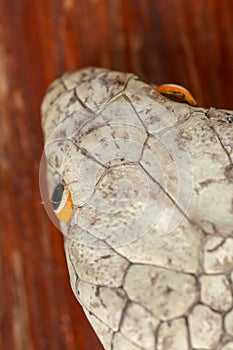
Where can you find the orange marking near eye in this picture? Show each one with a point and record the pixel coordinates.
(177, 93)
(66, 213)
(62, 202)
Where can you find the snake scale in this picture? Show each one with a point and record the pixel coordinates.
(149, 242)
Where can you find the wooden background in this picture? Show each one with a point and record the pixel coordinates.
(184, 41)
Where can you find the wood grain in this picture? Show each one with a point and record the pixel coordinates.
(183, 41)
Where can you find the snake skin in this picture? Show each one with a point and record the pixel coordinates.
(150, 244)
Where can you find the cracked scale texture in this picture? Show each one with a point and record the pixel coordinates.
(175, 292)
(173, 335)
(137, 317)
(107, 302)
(205, 327)
(218, 254)
(150, 244)
(216, 292)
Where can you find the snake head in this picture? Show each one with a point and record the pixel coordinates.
(144, 186)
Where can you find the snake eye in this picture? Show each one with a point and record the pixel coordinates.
(62, 202)
(177, 93)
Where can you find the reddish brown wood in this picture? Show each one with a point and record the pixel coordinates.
(183, 41)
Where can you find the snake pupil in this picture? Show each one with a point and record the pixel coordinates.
(57, 195)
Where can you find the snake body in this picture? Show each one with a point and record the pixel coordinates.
(149, 246)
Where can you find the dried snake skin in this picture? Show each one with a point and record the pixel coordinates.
(150, 243)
